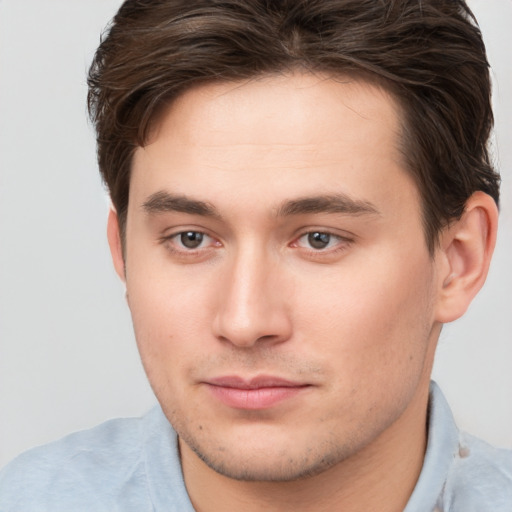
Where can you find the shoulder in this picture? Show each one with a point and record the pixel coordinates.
(460, 472)
(83, 471)
(480, 477)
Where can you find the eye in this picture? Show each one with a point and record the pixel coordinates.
(318, 240)
(188, 241)
(191, 239)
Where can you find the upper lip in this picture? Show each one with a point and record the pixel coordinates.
(258, 382)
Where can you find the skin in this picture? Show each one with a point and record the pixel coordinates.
(353, 325)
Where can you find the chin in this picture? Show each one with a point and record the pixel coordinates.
(267, 463)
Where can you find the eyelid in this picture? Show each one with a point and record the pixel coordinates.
(331, 235)
(336, 233)
(344, 241)
(168, 239)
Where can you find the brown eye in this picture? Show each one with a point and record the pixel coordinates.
(191, 239)
(318, 240)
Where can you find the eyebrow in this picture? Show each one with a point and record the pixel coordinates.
(162, 202)
(337, 203)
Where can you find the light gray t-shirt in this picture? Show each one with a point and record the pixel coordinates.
(132, 465)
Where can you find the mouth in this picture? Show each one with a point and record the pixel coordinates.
(261, 392)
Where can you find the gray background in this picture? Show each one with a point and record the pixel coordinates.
(67, 354)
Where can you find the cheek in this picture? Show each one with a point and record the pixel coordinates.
(372, 319)
(373, 335)
(169, 319)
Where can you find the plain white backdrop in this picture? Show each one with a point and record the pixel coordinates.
(67, 354)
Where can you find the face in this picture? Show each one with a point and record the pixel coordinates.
(277, 273)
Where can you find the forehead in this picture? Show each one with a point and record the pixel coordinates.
(302, 134)
(283, 106)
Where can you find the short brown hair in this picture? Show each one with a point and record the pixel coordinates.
(430, 54)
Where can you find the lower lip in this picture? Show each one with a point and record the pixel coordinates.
(254, 399)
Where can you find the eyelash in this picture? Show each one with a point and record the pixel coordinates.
(341, 243)
(170, 242)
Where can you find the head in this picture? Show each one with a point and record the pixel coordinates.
(428, 54)
(303, 195)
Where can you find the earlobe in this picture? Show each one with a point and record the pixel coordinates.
(465, 255)
(115, 243)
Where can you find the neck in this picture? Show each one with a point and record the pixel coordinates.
(381, 477)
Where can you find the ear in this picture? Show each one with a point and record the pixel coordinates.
(115, 244)
(466, 248)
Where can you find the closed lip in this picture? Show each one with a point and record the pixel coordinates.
(256, 393)
(257, 382)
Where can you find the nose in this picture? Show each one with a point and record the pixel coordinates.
(253, 302)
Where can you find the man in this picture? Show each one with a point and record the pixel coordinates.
(302, 197)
